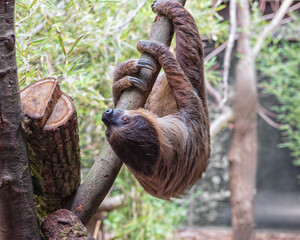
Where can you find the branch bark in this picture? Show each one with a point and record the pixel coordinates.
(17, 213)
(107, 166)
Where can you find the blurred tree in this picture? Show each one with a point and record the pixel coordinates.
(243, 152)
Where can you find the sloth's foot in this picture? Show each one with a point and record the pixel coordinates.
(165, 7)
(131, 67)
(123, 76)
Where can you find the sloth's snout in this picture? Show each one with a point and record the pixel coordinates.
(109, 111)
(112, 117)
(107, 115)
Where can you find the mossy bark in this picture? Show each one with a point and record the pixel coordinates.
(64, 224)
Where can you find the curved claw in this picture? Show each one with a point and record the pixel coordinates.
(138, 84)
(153, 5)
(146, 64)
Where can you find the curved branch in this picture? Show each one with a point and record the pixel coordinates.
(216, 51)
(107, 166)
(124, 24)
(272, 25)
(264, 116)
(221, 122)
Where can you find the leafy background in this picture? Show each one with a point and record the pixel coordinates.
(80, 43)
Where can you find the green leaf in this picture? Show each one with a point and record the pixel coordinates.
(61, 42)
(79, 51)
(32, 4)
(39, 40)
(75, 44)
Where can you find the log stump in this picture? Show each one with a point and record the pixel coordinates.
(64, 224)
(51, 129)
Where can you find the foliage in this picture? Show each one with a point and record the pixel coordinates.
(80, 42)
(281, 63)
(145, 217)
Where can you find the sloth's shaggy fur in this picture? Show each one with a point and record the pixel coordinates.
(166, 145)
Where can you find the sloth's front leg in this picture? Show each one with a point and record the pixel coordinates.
(124, 76)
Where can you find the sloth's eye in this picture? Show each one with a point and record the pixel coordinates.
(125, 120)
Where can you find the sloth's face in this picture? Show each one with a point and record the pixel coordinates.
(115, 119)
(133, 138)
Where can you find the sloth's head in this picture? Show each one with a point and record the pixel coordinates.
(133, 137)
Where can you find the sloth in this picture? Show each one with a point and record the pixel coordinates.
(166, 144)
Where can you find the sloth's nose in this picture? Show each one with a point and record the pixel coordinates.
(106, 116)
(109, 111)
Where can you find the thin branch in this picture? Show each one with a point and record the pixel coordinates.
(214, 93)
(219, 123)
(272, 25)
(266, 118)
(291, 9)
(286, 20)
(215, 52)
(269, 113)
(132, 16)
(231, 40)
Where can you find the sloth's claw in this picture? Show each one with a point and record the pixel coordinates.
(139, 84)
(153, 5)
(145, 64)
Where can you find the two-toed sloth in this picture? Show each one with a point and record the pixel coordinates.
(166, 145)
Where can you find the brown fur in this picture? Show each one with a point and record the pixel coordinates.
(167, 144)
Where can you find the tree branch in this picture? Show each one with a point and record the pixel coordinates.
(213, 92)
(264, 116)
(272, 25)
(17, 213)
(106, 167)
(229, 48)
(132, 16)
(215, 52)
(221, 122)
(291, 9)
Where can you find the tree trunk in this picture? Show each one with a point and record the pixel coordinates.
(51, 130)
(17, 212)
(243, 152)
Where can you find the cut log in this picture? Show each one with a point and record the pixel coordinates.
(64, 224)
(39, 99)
(51, 129)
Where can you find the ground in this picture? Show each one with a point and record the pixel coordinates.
(226, 234)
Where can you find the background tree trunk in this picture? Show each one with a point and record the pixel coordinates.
(243, 152)
(17, 212)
